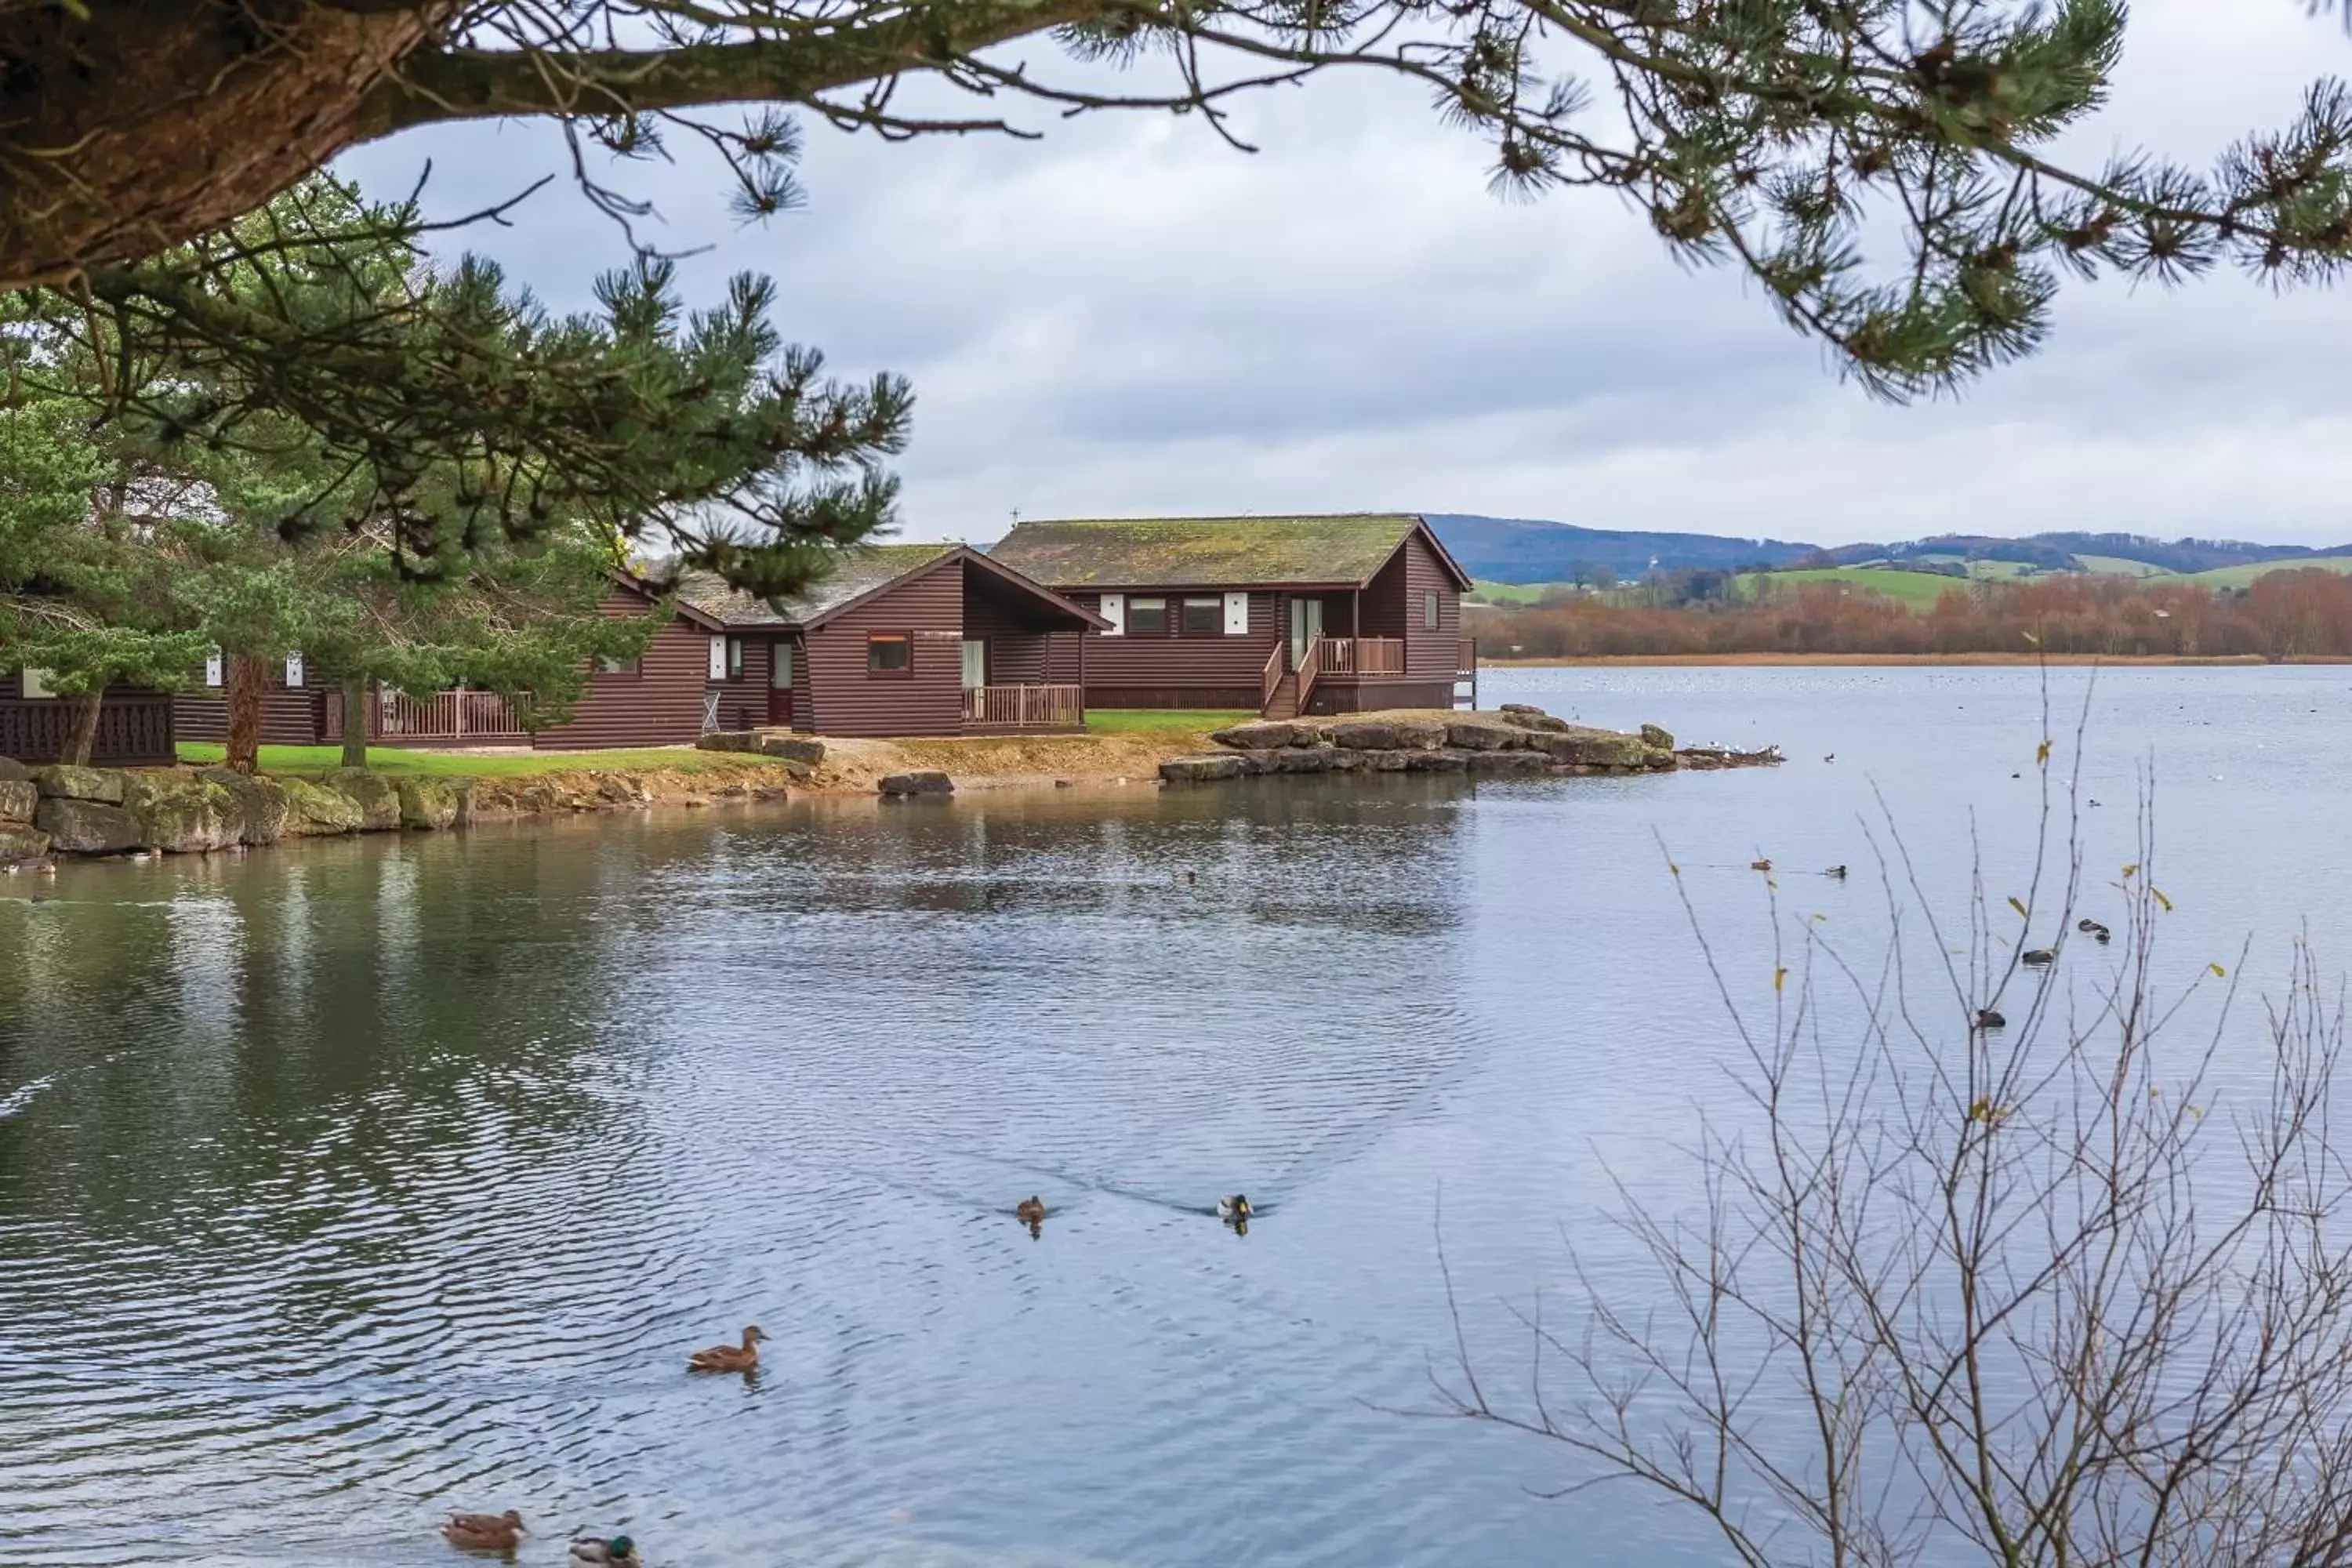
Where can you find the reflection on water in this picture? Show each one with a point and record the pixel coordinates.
(346, 1185)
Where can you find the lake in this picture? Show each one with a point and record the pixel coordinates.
(345, 1184)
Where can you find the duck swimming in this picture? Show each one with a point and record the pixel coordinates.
(1835, 873)
(619, 1550)
(728, 1358)
(485, 1532)
(1236, 1207)
(2092, 928)
(2038, 956)
(1030, 1210)
(1989, 1019)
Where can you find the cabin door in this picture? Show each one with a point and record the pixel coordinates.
(1306, 628)
(780, 684)
(975, 663)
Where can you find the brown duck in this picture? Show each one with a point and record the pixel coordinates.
(730, 1358)
(1030, 1210)
(485, 1532)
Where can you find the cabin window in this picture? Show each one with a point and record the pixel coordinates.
(1204, 618)
(780, 665)
(215, 671)
(37, 682)
(734, 658)
(1429, 612)
(606, 664)
(890, 653)
(1147, 616)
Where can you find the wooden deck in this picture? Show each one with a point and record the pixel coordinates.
(437, 719)
(1014, 709)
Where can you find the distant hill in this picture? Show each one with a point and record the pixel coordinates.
(1528, 550)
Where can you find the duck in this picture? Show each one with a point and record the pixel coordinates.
(1030, 1210)
(2038, 956)
(730, 1358)
(1835, 873)
(618, 1551)
(1759, 865)
(1989, 1019)
(485, 1532)
(2092, 928)
(1235, 1208)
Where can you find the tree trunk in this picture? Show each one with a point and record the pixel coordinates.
(246, 677)
(82, 739)
(355, 721)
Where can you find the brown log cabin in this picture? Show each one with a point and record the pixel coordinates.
(1283, 614)
(134, 725)
(900, 639)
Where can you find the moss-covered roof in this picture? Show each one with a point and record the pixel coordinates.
(857, 573)
(1204, 551)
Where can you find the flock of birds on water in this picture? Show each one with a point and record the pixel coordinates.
(503, 1533)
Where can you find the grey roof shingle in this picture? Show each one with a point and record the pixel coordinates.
(1204, 552)
(857, 572)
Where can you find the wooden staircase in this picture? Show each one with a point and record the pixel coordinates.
(1283, 702)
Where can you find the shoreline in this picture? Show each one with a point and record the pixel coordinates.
(1640, 660)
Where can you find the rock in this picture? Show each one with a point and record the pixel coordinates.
(1658, 740)
(1345, 761)
(1309, 733)
(1256, 765)
(1476, 733)
(1509, 762)
(19, 841)
(1296, 760)
(463, 791)
(88, 826)
(1591, 748)
(1389, 761)
(427, 804)
(792, 749)
(262, 804)
(19, 798)
(376, 796)
(1420, 734)
(618, 789)
(313, 809)
(922, 781)
(14, 772)
(1519, 716)
(67, 783)
(730, 741)
(183, 815)
(1438, 762)
(1200, 770)
(1364, 735)
(1257, 735)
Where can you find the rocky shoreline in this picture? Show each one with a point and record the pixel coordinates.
(1515, 739)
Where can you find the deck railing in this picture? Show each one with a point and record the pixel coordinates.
(445, 717)
(1276, 667)
(1310, 668)
(132, 732)
(1025, 707)
(1362, 656)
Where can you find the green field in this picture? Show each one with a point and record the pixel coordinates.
(1920, 590)
(2116, 566)
(2239, 576)
(451, 764)
(1153, 720)
(1495, 593)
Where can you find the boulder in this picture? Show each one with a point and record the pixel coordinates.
(619, 789)
(1298, 760)
(1438, 762)
(792, 749)
(1520, 716)
(1309, 733)
(1592, 748)
(462, 792)
(1200, 770)
(1475, 732)
(427, 804)
(313, 809)
(730, 741)
(1658, 740)
(1257, 735)
(64, 781)
(922, 781)
(1364, 735)
(1257, 764)
(1345, 761)
(183, 815)
(1509, 762)
(1387, 761)
(377, 797)
(89, 826)
(1420, 734)
(263, 805)
(14, 772)
(19, 841)
(19, 798)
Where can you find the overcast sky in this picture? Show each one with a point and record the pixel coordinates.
(1130, 318)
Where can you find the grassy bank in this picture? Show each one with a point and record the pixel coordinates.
(397, 763)
(1149, 722)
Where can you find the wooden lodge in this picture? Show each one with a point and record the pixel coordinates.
(1283, 614)
(134, 725)
(900, 639)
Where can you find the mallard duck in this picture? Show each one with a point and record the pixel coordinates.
(618, 1551)
(1989, 1019)
(1236, 1207)
(730, 1358)
(2092, 928)
(485, 1532)
(1759, 865)
(2038, 956)
(1835, 873)
(1030, 1210)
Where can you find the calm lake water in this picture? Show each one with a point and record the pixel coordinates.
(346, 1185)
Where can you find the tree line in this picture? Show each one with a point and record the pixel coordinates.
(2292, 613)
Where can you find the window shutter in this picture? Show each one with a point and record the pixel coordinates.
(1236, 615)
(293, 670)
(717, 658)
(214, 669)
(1114, 610)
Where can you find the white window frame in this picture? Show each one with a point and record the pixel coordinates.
(295, 669)
(717, 665)
(216, 668)
(1236, 615)
(1113, 609)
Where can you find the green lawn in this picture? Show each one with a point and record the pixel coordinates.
(1920, 590)
(446, 764)
(1143, 721)
(1495, 593)
(2239, 576)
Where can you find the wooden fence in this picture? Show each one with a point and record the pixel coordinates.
(436, 719)
(133, 732)
(1024, 707)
